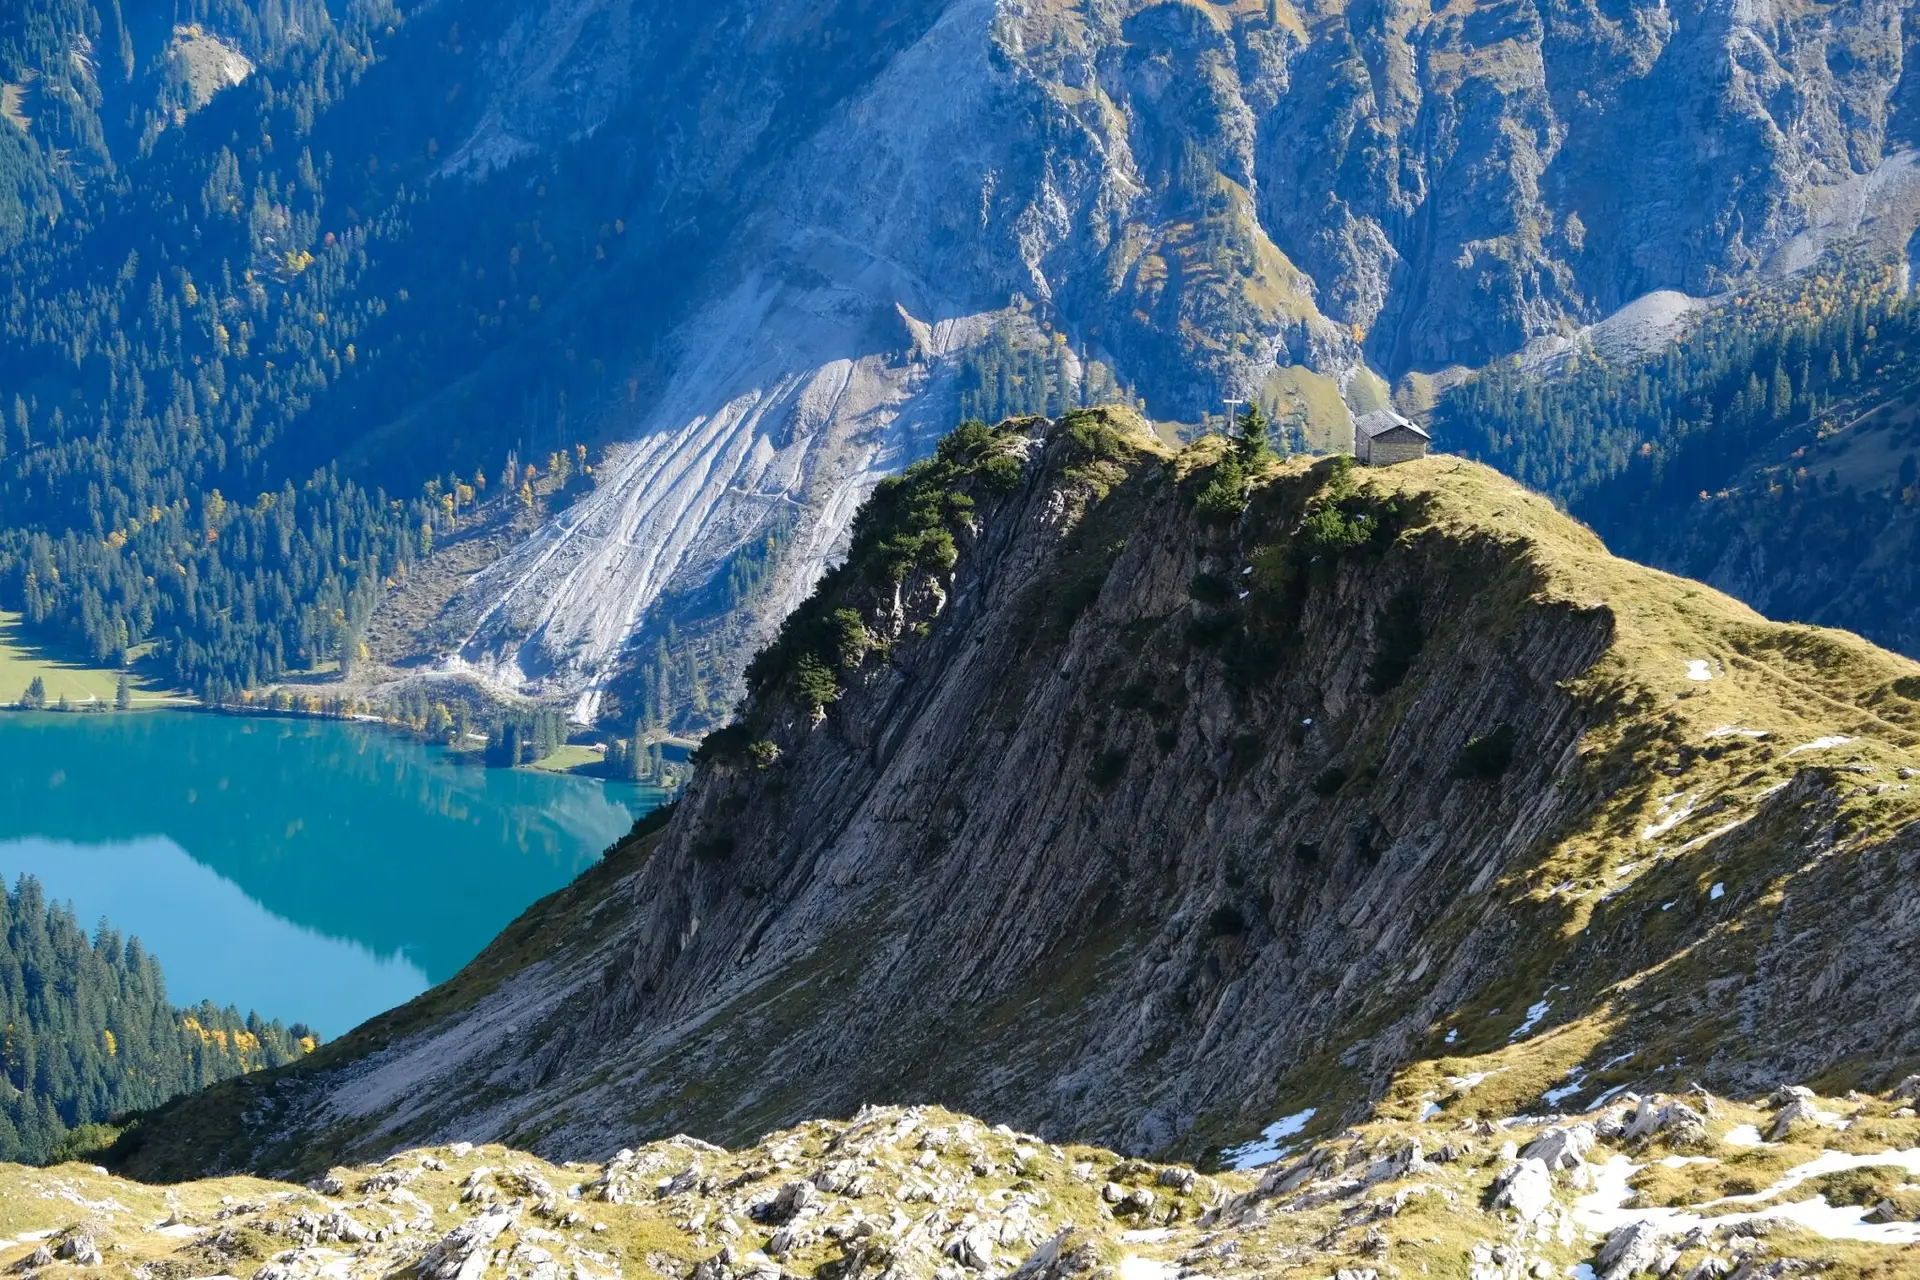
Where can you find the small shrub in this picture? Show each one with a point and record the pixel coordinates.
(1224, 496)
(1908, 687)
(1001, 473)
(1486, 758)
(1092, 438)
(1210, 588)
(1329, 530)
(1108, 768)
(655, 821)
(717, 848)
(1204, 633)
(1139, 696)
(1401, 639)
(723, 745)
(1226, 922)
(764, 754)
(815, 682)
(85, 1145)
(851, 639)
(1330, 781)
(1077, 595)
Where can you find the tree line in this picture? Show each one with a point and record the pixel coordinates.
(90, 1034)
(1621, 444)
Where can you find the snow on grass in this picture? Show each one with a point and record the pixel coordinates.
(1743, 1135)
(1821, 744)
(1576, 1079)
(1535, 1012)
(1133, 1268)
(1717, 892)
(1606, 1097)
(1699, 669)
(1604, 1210)
(1735, 731)
(1271, 1145)
(1712, 835)
(1667, 817)
(1452, 1035)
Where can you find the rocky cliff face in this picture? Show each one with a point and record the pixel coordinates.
(1202, 201)
(1100, 795)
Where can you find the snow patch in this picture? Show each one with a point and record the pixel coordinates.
(1604, 1210)
(1132, 1268)
(1535, 1012)
(1699, 669)
(1666, 818)
(1717, 892)
(1821, 744)
(1272, 1143)
(1735, 731)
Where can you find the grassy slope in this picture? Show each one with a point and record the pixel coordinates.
(21, 660)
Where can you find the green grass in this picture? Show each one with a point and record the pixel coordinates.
(571, 759)
(21, 660)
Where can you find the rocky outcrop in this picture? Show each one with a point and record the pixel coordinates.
(1201, 203)
(1089, 798)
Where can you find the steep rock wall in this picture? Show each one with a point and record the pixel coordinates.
(1135, 814)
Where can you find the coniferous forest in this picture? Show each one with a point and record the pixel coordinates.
(1622, 444)
(90, 1033)
(220, 321)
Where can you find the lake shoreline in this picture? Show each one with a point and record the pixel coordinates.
(314, 869)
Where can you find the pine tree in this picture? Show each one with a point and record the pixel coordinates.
(1250, 437)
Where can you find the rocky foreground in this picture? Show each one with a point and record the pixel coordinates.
(1684, 1185)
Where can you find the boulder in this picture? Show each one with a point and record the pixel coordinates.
(1526, 1187)
(1629, 1250)
(1795, 1112)
(461, 1254)
(1561, 1147)
(78, 1248)
(1681, 1123)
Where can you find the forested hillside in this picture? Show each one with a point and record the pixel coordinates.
(218, 316)
(1771, 450)
(294, 293)
(90, 1034)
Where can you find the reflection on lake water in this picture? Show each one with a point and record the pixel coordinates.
(317, 871)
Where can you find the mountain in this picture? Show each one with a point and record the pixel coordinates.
(1766, 449)
(743, 261)
(1121, 795)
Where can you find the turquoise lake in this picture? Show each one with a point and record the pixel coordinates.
(315, 871)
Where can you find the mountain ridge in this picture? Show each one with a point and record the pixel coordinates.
(1069, 832)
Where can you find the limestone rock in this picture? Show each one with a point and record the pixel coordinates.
(1526, 1187)
(1628, 1250)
